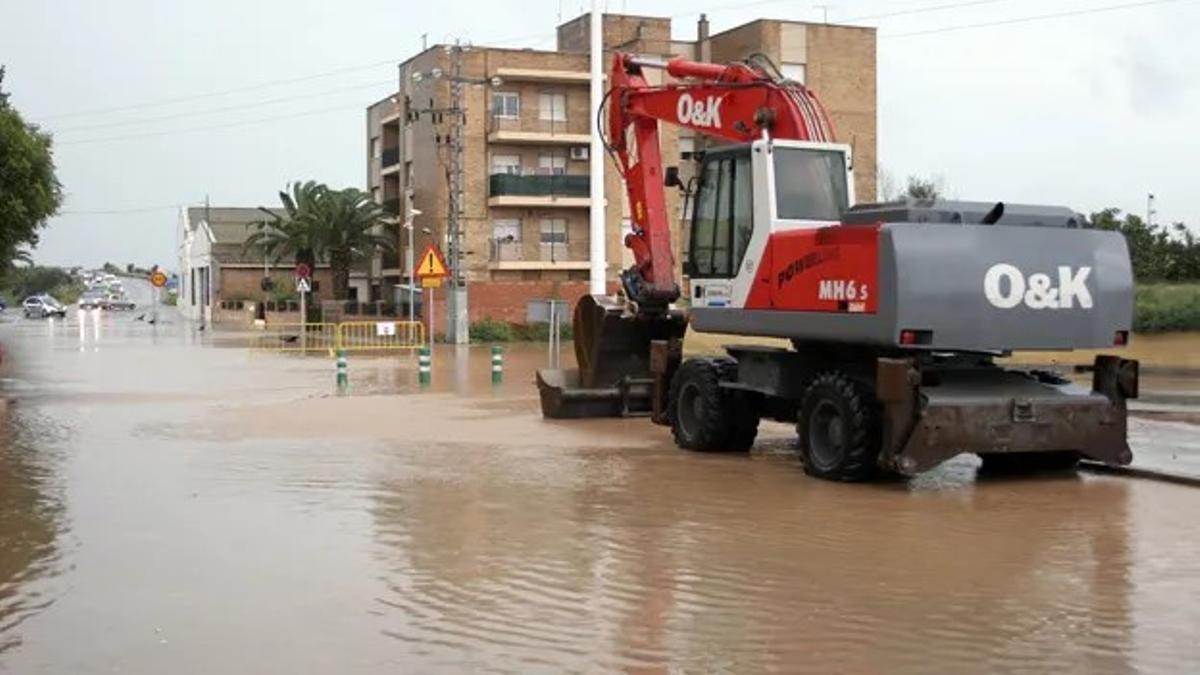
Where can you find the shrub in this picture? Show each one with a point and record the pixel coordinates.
(1159, 308)
(491, 330)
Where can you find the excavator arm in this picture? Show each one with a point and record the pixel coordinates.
(738, 102)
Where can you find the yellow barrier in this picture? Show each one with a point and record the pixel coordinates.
(380, 335)
(297, 337)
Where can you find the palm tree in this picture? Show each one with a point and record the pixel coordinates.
(340, 226)
(353, 227)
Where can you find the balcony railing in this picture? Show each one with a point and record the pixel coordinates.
(391, 157)
(390, 260)
(538, 186)
(514, 251)
(391, 206)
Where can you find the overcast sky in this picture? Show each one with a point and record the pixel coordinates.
(1090, 110)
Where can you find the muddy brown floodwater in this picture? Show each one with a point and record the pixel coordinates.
(170, 503)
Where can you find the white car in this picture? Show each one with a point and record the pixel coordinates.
(42, 306)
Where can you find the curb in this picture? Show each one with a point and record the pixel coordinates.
(1142, 473)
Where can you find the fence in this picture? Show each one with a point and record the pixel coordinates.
(296, 337)
(348, 335)
(380, 335)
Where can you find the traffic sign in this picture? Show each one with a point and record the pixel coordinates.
(432, 265)
(431, 282)
(158, 279)
(303, 285)
(303, 271)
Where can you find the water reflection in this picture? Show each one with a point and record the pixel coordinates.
(32, 521)
(519, 557)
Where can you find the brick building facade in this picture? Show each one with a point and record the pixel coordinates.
(526, 135)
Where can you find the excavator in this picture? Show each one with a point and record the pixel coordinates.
(898, 313)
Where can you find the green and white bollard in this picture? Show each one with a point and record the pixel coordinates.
(497, 364)
(423, 369)
(343, 379)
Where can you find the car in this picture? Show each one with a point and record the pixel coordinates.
(120, 303)
(42, 306)
(92, 300)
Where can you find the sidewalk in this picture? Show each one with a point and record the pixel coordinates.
(1162, 450)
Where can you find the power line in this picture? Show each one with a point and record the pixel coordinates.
(1030, 19)
(222, 92)
(206, 111)
(105, 212)
(189, 130)
(924, 10)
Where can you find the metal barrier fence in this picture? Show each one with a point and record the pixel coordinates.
(296, 337)
(347, 335)
(380, 335)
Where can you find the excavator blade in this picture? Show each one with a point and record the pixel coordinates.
(613, 353)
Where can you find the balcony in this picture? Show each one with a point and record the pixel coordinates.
(389, 158)
(391, 206)
(539, 190)
(390, 260)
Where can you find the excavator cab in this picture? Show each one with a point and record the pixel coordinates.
(743, 194)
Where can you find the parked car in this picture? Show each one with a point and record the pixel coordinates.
(3, 304)
(120, 303)
(42, 306)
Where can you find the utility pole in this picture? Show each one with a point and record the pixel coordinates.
(597, 256)
(457, 322)
(1151, 213)
(458, 325)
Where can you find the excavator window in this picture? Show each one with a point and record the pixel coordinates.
(722, 220)
(810, 184)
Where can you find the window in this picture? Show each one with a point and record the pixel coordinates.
(687, 147)
(794, 71)
(376, 150)
(554, 239)
(510, 164)
(506, 105)
(724, 217)
(810, 184)
(552, 164)
(506, 230)
(554, 230)
(552, 107)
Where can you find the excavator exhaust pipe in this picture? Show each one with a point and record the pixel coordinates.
(618, 373)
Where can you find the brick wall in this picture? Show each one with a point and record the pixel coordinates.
(244, 283)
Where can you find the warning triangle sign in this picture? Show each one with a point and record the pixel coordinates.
(431, 264)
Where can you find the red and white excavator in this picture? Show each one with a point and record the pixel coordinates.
(896, 311)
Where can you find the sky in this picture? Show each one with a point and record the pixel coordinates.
(157, 104)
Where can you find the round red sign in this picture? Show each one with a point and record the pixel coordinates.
(303, 271)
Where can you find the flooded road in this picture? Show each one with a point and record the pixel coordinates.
(172, 503)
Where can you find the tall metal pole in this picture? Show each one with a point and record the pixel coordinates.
(596, 252)
(457, 324)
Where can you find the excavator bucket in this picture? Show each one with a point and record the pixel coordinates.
(613, 352)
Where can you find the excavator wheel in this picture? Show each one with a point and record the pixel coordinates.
(700, 412)
(839, 429)
(740, 412)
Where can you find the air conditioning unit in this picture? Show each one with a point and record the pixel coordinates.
(579, 152)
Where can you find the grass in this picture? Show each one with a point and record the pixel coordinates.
(1162, 308)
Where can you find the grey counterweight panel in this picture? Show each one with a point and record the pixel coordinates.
(1052, 288)
(1067, 288)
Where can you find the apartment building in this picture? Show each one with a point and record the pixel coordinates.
(526, 137)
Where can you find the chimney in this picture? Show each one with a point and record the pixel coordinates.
(703, 52)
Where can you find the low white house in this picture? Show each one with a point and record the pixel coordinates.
(194, 240)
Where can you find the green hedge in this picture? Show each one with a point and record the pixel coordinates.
(1159, 308)
(491, 330)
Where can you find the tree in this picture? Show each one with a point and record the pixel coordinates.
(29, 189)
(318, 223)
(1156, 252)
(922, 189)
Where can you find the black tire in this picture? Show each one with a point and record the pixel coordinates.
(1015, 463)
(839, 429)
(703, 416)
(742, 418)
